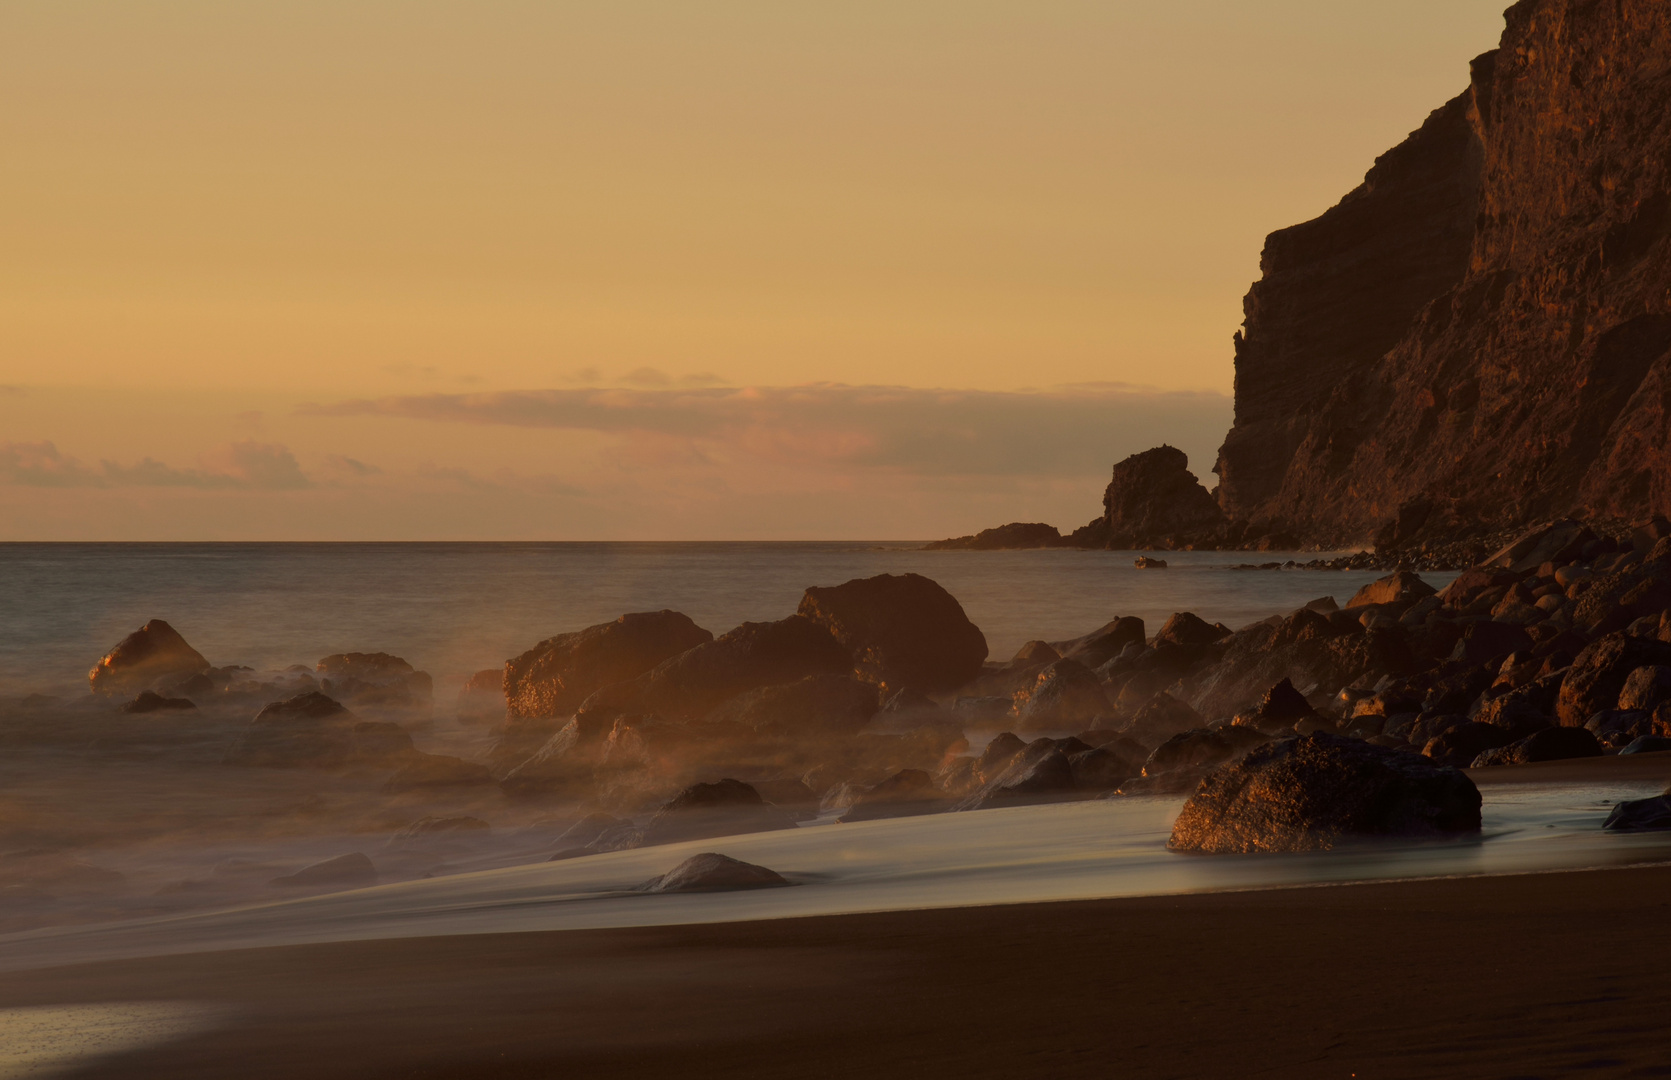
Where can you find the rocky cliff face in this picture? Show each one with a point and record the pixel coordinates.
(1480, 335)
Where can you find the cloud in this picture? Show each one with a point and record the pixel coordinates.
(647, 377)
(247, 465)
(1076, 430)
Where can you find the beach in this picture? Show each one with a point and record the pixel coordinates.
(1533, 975)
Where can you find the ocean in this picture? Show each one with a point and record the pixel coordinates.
(456, 608)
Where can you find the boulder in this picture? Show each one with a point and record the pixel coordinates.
(1561, 542)
(1185, 628)
(364, 679)
(1103, 768)
(1550, 744)
(1100, 646)
(1640, 815)
(712, 872)
(149, 701)
(1646, 687)
(817, 706)
(723, 808)
(152, 652)
(1394, 588)
(564, 762)
(312, 730)
(554, 677)
(1035, 653)
(1597, 676)
(1041, 772)
(1162, 717)
(750, 657)
(787, 792)
(1488, 643)
(1146, 562)
(1314, 792)
(1279, 709)
(345, 871)
(1647, 744)
(1617, 727)
(906, 793)
(900, 630)
(1065, 696)
(1458, 745)
(420, 771)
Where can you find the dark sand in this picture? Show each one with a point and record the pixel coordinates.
(1541, 976)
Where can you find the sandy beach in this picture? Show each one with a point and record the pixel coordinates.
(1545, 975)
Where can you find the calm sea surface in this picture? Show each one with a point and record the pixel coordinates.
(456, 608)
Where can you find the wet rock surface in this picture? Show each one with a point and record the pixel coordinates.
(154, 651)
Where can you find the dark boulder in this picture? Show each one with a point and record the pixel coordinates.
(1396, 587)
(1162, 717)
(1619, 727)
(1102, 768)
(314, 731)
(554, 677)
(900, 630)
(752, 656)
(817, 706)
(1646, 687)
(1550, 744)
(1459, 745)
(712, 872)
(1279, 709)
(1598, 675)
(1064, 696)
(1186, 628)
(1106, 643)
(150, 702)
(1035, 653)
(1041, 772)
(1486, 642)
(906, 793)
(1647, 744)
(1640, 815)
(154, 651)
(1316, 791)
(723, 808)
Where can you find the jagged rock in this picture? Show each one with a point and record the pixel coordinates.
(1278, 710)
(1163, 717)
(1103, 768)
(1153, 500)
(564, 762)
(419, 771)
(1102, 645)
(1035, 653)
(1486, 642)
(152, 652)
(1550, 744)
(817, 706)
(1317, 791)
(787, 792)
(346, 871)
(149, 702)
(712, 872)
(1640, 815)
(901, 630)
(1144, 562)
(554, 677)
(1041, 772)
(1478, 332)
(750, 657)
(1188, 629)
(1392, 589)
(904, 794)
(1646, 687)
(1064, 696)
(1598, 675)
(1016, 536)
(313, 731)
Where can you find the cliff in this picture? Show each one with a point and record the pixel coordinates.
(1479, 336)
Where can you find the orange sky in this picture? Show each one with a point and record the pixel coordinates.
(224, 222)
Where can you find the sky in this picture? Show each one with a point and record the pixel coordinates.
(652, 269)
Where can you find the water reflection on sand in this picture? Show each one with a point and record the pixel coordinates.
(1107, 848)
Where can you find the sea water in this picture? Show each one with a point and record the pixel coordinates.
(453, 609)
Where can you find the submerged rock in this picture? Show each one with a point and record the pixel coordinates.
(1640, 815)
(149, 702)
(313, 731)
(150, 653)
(713, 872)
(1314, 792)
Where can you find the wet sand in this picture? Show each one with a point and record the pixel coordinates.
(1545, 975)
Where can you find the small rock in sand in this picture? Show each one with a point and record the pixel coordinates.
(712, 872)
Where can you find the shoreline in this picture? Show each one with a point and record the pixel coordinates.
(1508, 975)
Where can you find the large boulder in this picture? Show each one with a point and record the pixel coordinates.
(1458, 745)
(713, 872)
(314, 731)
(900, 630)
(1106, 643)
(1041, 772)
(1314, 792)
(154, 651)
(1599, 674)
(817, 706)
(554, 677)
(752, 656)
(1550, 744)
(1394, 588)
(1278, 710)
(1065, 696)
(1162, 717)
(1640, 815)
